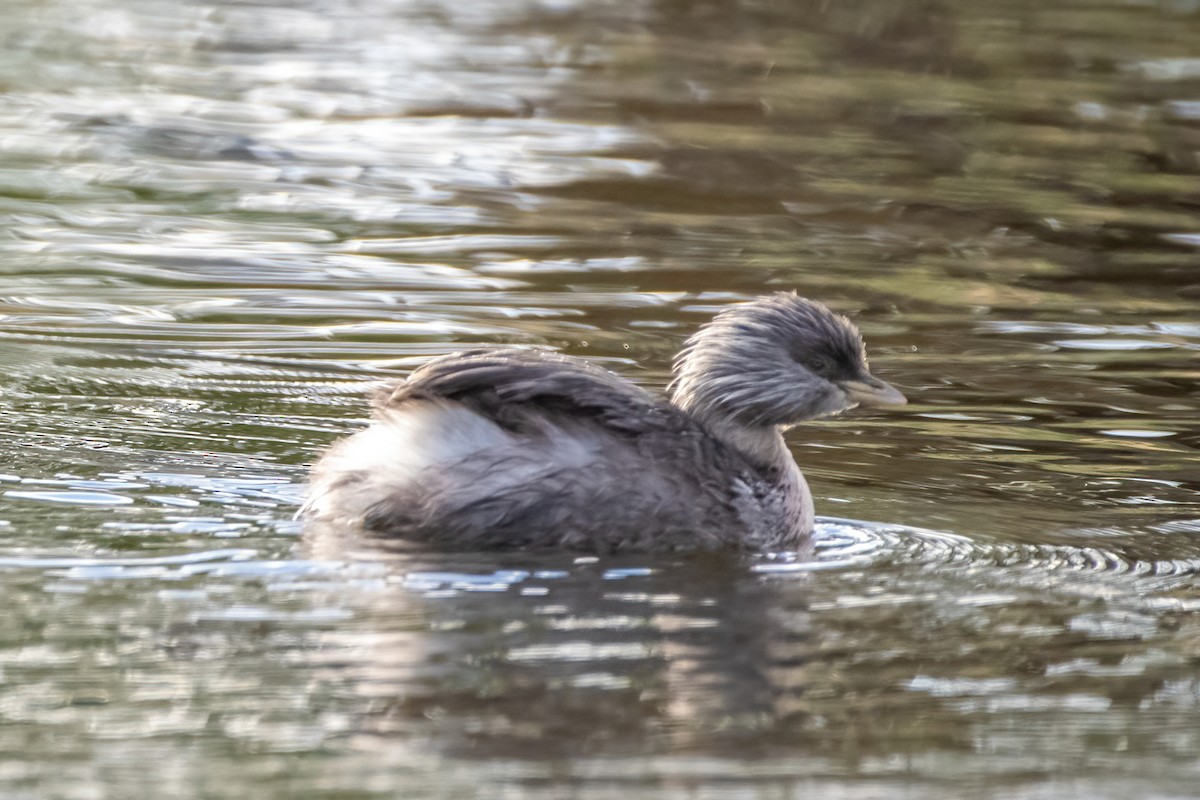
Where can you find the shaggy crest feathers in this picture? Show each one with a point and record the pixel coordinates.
(772, 362)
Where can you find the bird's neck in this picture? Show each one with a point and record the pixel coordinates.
(762, 445)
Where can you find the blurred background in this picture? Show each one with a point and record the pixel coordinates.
(224, 219)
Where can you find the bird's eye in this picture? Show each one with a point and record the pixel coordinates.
(818, 363)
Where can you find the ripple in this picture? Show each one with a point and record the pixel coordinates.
(844, 543)
(1168, 69)
(129, 487)
(1135, 433)
(439, 583)
(75, 498)
(1119, 345)
(184, 559)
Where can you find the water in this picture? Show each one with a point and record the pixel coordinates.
(225, 220)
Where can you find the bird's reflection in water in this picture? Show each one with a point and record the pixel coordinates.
(932, 645)
(549, 655)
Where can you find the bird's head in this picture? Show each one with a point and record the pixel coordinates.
(775, 362)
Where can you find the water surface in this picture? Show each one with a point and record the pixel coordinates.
(223, 221)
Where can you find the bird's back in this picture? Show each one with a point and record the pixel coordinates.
(510, 448)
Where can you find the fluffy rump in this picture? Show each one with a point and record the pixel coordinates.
(395, 453)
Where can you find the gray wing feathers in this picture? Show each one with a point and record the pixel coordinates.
(506, 385)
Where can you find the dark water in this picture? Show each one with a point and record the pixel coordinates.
(223, 220)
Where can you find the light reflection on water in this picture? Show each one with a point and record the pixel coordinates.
(653, 656)
(224, 221)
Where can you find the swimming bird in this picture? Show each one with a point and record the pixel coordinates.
(511, 448)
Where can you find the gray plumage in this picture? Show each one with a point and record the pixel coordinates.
(527, 449)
